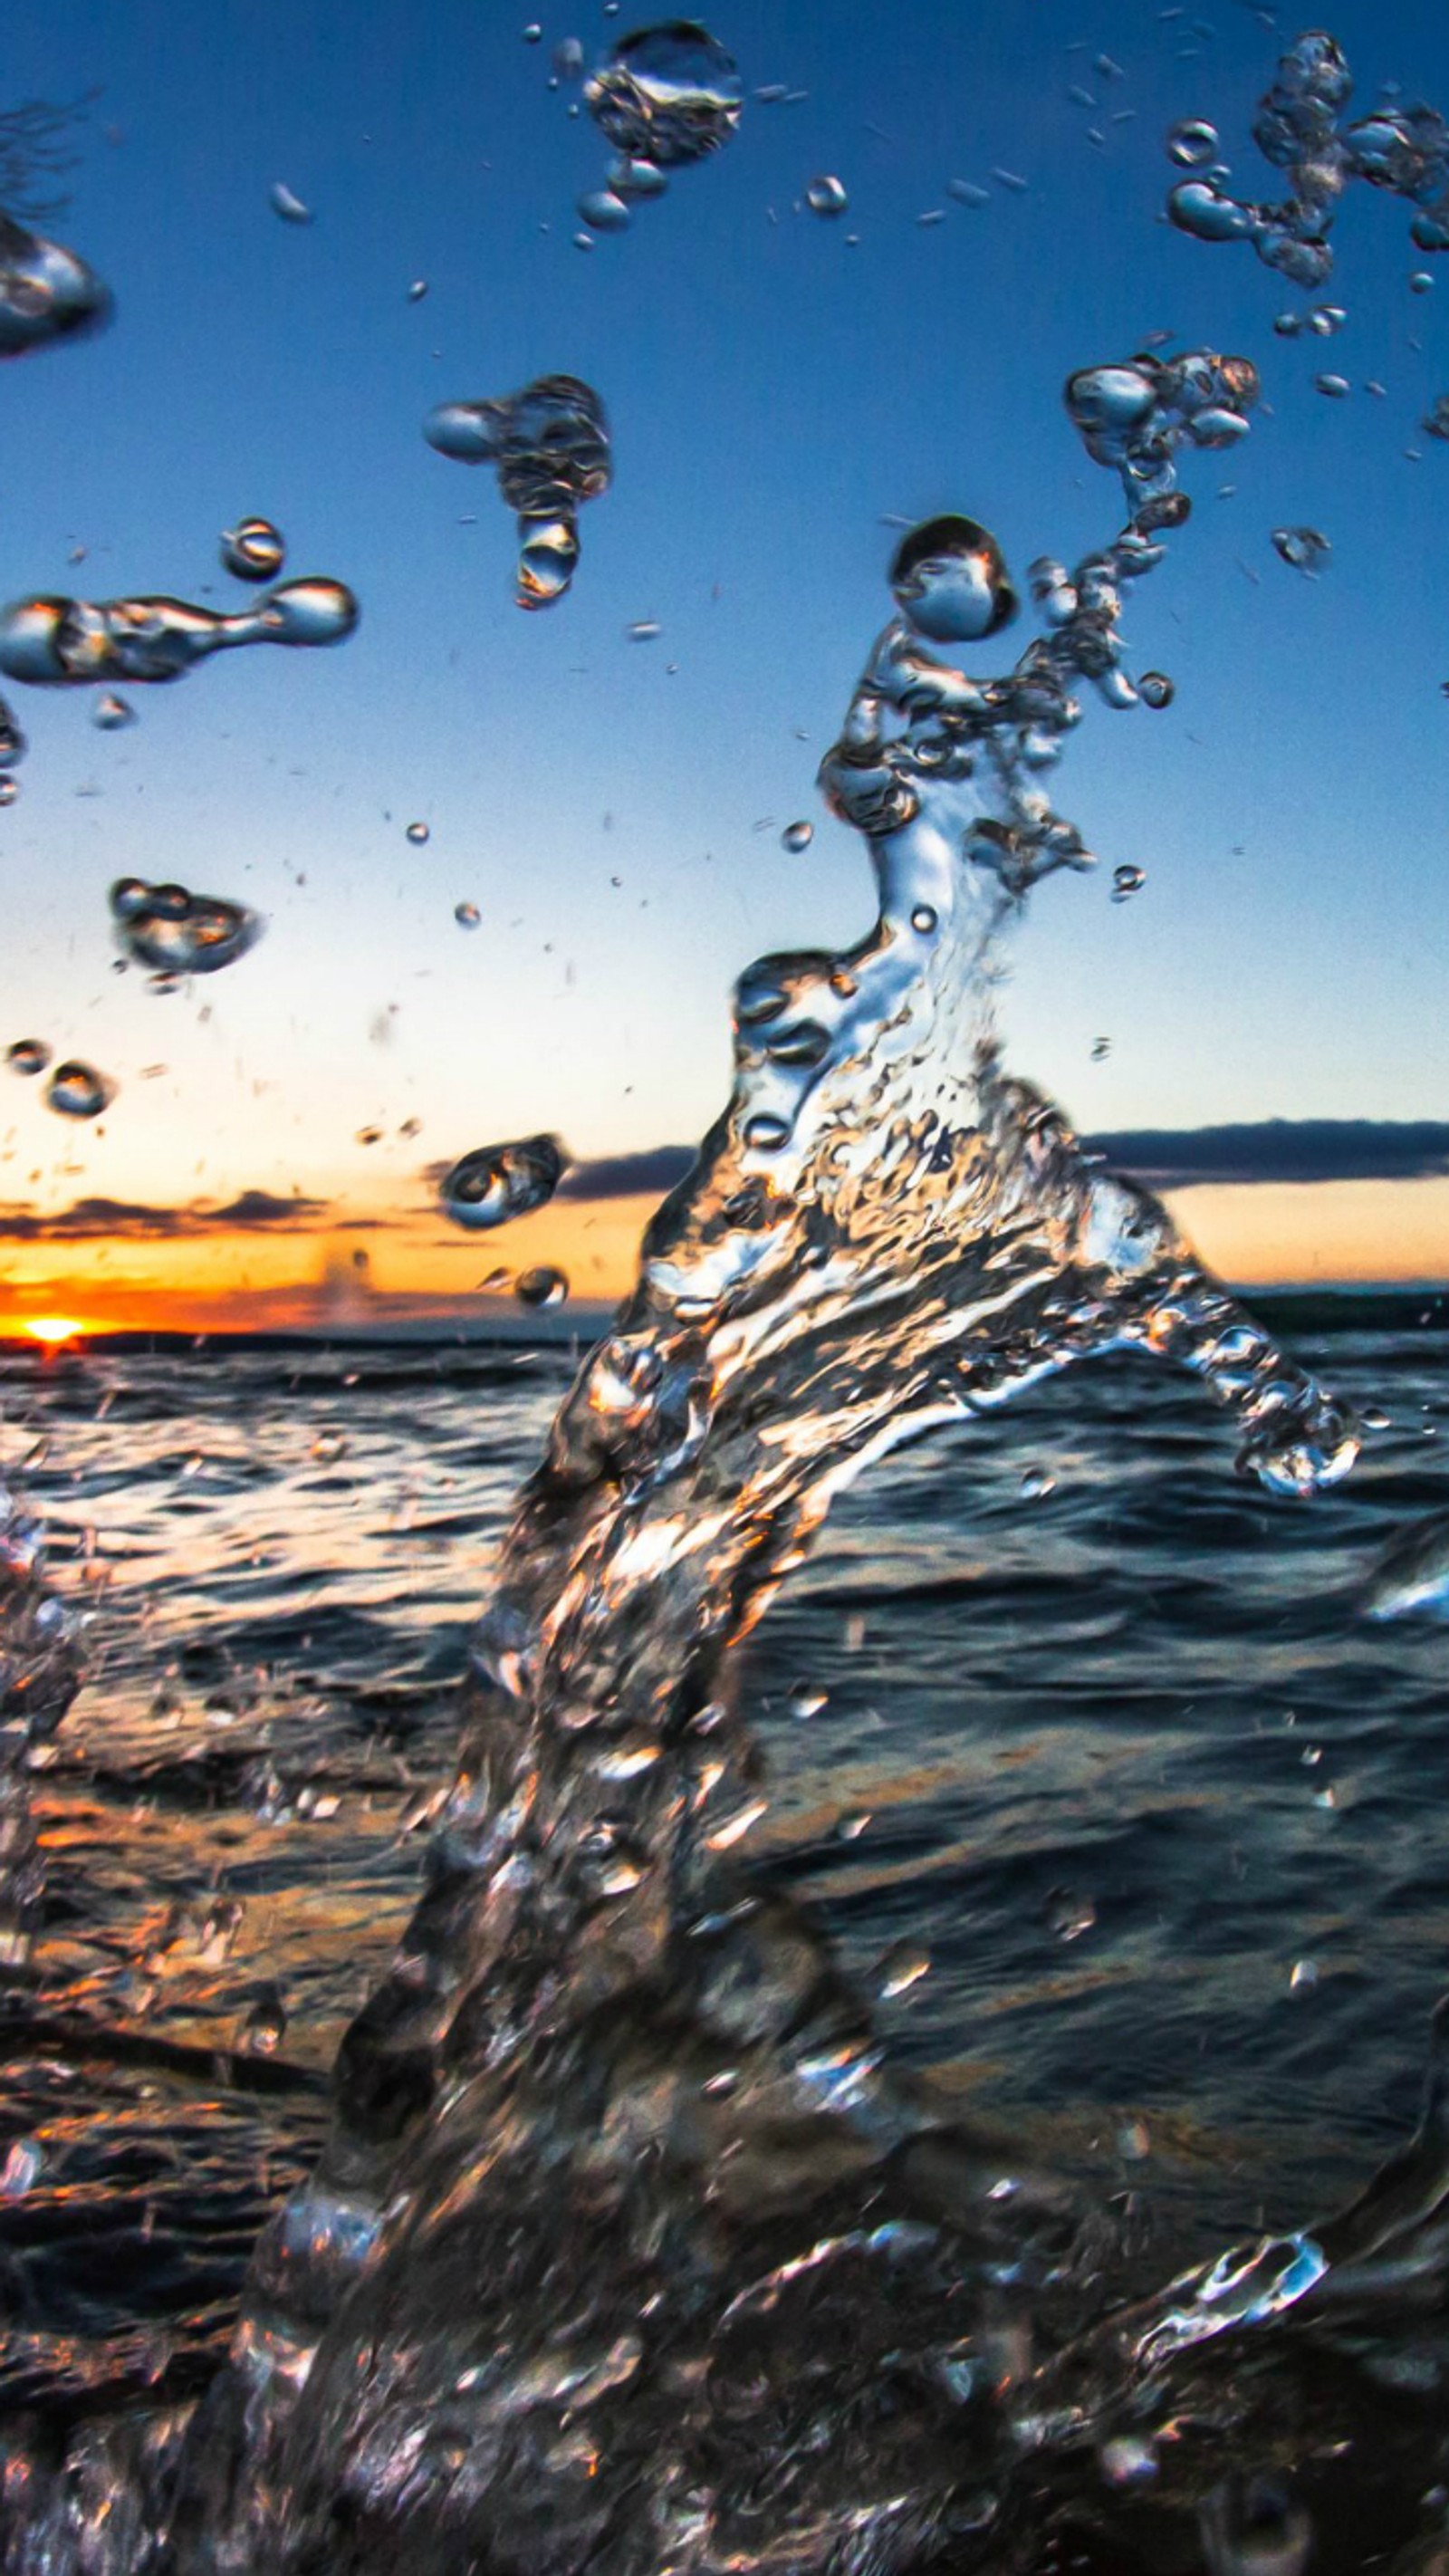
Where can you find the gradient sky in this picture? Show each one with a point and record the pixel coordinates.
(774, 393)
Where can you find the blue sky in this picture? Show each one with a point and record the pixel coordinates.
(773, 393)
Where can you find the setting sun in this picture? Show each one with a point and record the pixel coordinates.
(53, 1329)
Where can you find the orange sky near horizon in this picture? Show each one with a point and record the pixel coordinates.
(307, 1275)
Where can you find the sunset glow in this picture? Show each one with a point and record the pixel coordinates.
(53, 1329)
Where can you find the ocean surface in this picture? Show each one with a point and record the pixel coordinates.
(1132, 1823)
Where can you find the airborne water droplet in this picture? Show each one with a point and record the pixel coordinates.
(797, 837)
(176, 933)
(497, 1182)
(1127, 881)
(902, 1967)
(550, 446)
(467, 915)
(1155, 689)
(111, 714)
(667, 94)
(826, 196)
(28, 1056)
(950, 581)
(76, 1090)
(9, 788)
(417, 833)
(1193, 143)
(286, 203)
(644, 630)
(604, 211)
(1304, 548)
(1436, 419)
(254, 550)
(1334, 386)
(541, 1287)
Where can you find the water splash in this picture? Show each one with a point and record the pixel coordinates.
(177, 933)
(50, 642)
(46, 292)
(550, 446)
(1301, 128)
(629, 2243)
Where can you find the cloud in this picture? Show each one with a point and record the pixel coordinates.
(92, 1220)
(627, 1176)
(1281, 1150)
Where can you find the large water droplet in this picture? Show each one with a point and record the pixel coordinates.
(668, 94)
(826, 196)
(254, 550)
(28, 1056)
(51, 642)
(172, 932)
(550, 446)
(1155, 689)
(77, 1090)
(950, 581)
(497, 1182)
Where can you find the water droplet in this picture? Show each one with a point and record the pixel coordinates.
(631, 178)
(1134, 2141)
(1069, 1914)
(1155, 689)
(1192, 143)
(1304, 548)
(254, 550)
(797, 837)
(173, 932)
(604, 211)
(497, 1182)
(76, 1090)
(667, 94)
(568, 58)
(417, 290)
(826, 196)
(1101, 1049)
(28, 1056)
(12, 740)
(21, 2168)
(1421, 283)
(1127, 881)
(644, 630)
(286, 203)
(1305, 1973)
(418, 833)
(541, 1287)
(111, 714)
(923, 918)
(46, 293)
(950, 581)
(1036, 1484)
(1288, 325)
(50, 642)
(550, 446)
(532, 34)
(467, 916)
(902, 1967)
(265, 2026)
(9, 788)
(1436, 419)
(765, 1134)
(807, 1700)
(1334, 386)
(1128, 2460)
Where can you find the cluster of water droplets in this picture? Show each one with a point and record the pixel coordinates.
(52, 642)
(173, 932)
(1302, 128)
(549, 445)
(664, 97)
